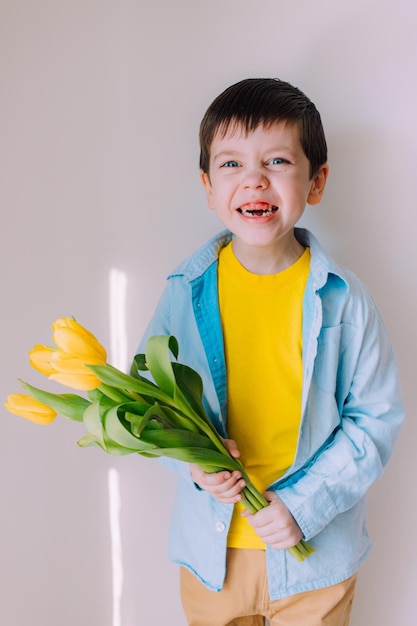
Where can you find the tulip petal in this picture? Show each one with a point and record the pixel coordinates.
(63, 362)
(74, 339)
(40, 358)
(80, 383)
(72, 372)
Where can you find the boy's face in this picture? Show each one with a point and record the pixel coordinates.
(259, 184)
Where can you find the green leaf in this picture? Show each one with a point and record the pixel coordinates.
(138, 416)
(103, 400)
(159, 362)
(111, 447)
(115, 378)
(209, 460)
(88, 440)
(67, 404)
(137, 407)
(93, 423)
(191, 386)
(139, 363)
(115, 450)
(165, 416)
(178, 419)
(119, 433)
(116, 394)
(94, 394)
(176, 438)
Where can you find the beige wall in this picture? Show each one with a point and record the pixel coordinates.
(99, 110)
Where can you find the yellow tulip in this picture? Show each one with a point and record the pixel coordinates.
(76, 348)
(29, 408)
(40, 358)
(77, 341)
(72, 372)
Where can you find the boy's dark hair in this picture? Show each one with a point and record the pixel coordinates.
(264, 101)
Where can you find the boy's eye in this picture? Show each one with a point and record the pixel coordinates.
(277, 161)
(231, 164)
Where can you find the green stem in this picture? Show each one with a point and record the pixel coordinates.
(259, 501)
(204, 425)
(135, 396)
(305, 548)
(252, 499)
(114, 394)
(296, 553)
(247, 503)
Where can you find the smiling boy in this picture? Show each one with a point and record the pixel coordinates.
(258, 183)
(298, 375)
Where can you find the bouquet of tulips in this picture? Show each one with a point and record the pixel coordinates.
(127, 414)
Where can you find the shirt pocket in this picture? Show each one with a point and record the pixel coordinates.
(329, 366)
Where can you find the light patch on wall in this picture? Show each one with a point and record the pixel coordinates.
(118, 357)
(118, 333)
(116, 544)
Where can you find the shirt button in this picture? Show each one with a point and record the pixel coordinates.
(220, 527)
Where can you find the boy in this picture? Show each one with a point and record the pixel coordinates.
(298, 375)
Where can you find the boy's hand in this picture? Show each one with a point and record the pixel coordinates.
(224, 486)
(274, 524)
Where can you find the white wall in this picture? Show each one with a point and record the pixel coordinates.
(99, 110)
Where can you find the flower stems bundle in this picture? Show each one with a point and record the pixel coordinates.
(128, 413)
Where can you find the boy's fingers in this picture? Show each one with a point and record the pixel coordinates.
(223, 479)
(228, 493)
(271, 496)
(224, 486)
(232, 448)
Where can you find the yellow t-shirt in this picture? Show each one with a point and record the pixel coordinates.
(262, 326)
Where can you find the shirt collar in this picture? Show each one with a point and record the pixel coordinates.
(321, 265)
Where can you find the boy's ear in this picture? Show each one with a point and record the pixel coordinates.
(205, 179)
(318, 184)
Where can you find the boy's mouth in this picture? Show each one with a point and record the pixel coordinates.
(257, 209)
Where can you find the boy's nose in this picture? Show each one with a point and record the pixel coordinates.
(255, 179)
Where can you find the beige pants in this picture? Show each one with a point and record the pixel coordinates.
(244, 599)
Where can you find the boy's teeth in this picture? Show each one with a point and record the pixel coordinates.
(257, 211)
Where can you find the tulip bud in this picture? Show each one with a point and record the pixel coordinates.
(30, 409)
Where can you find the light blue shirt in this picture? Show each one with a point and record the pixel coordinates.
(351, 416)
